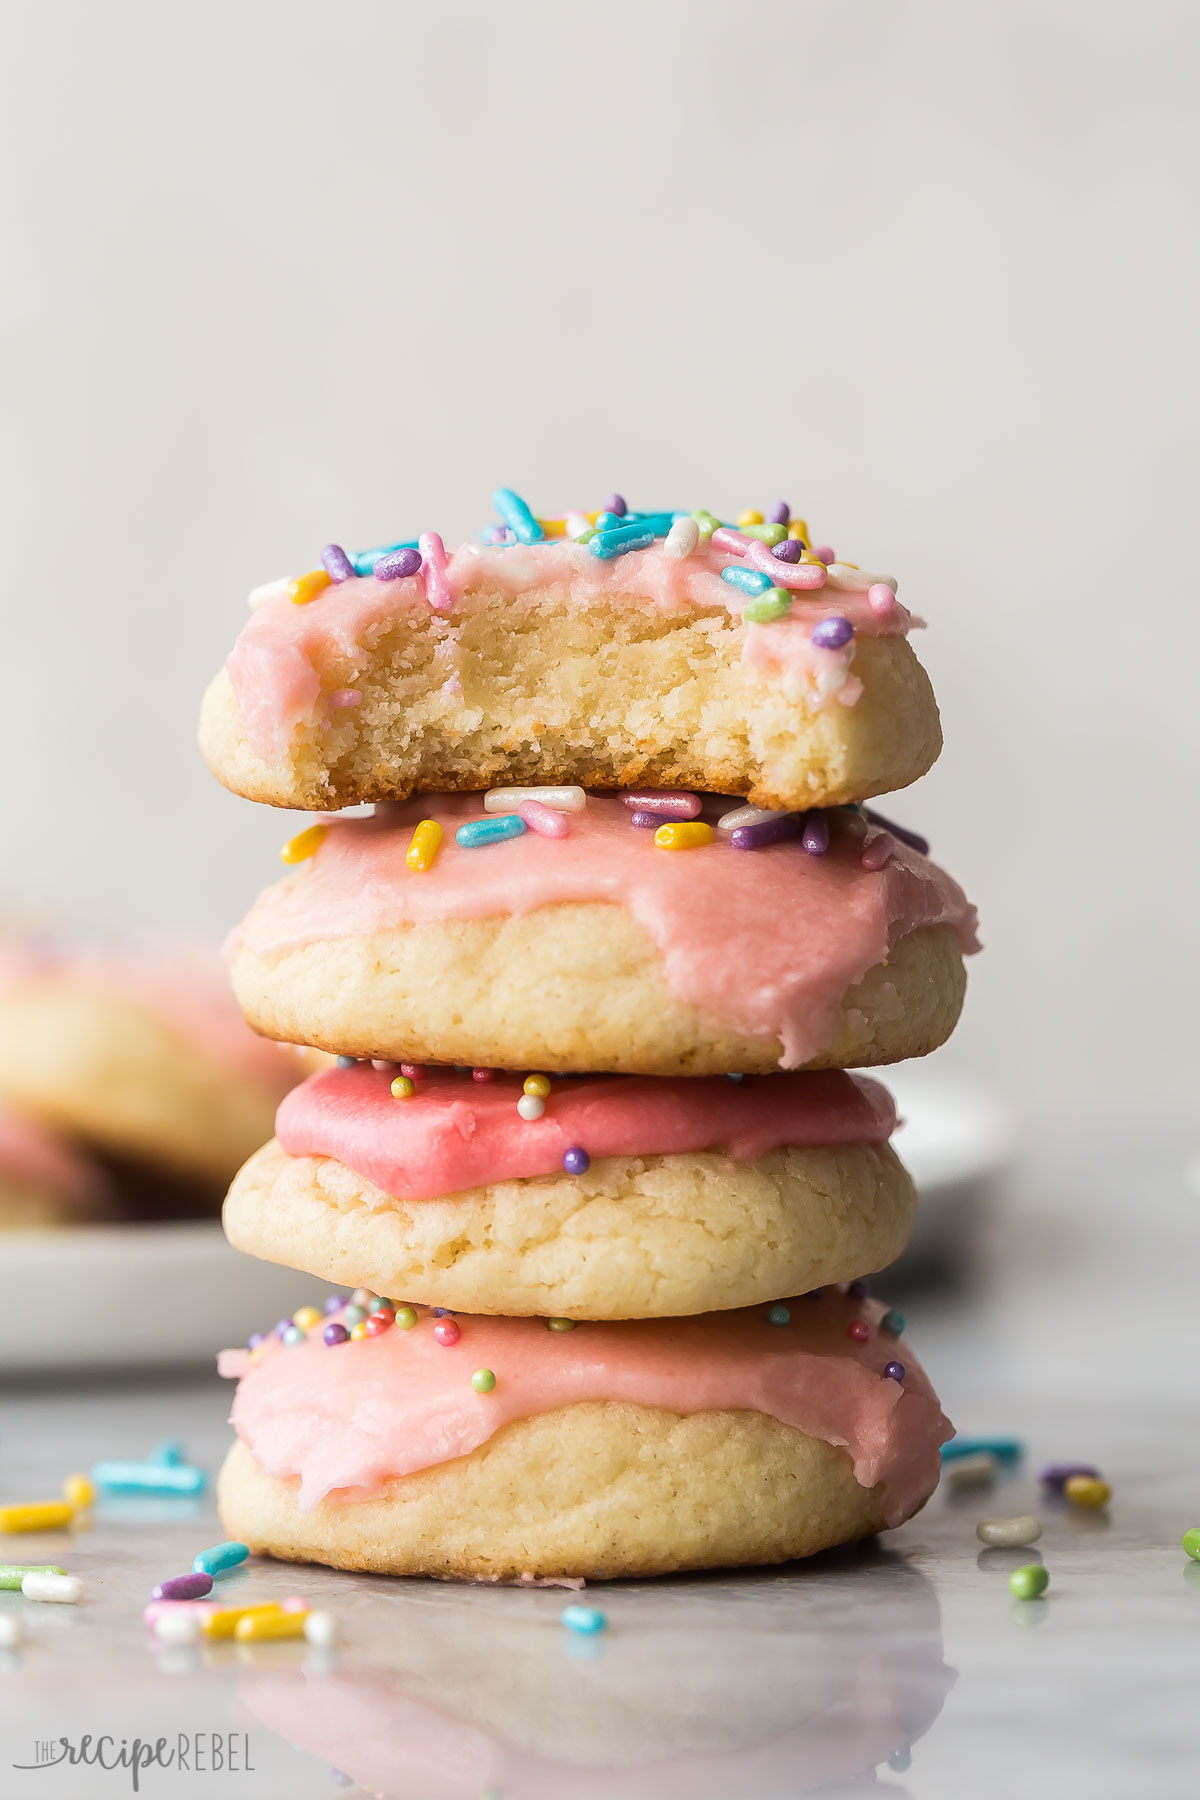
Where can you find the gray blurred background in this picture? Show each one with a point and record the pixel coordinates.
(281, 274)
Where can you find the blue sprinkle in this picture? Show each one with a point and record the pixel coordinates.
(364, 560)
(730, 1076)
(517, 516)
(1004, 1449)
(778, 1315)
(347, 1062)
(659, 523)
(749, 581)
(587, 1620)
(489, 831)
(620, 540)
(147, 1478)
(219, 1558)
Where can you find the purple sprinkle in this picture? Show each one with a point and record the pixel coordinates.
(283, 1325)
(816, 833)
(779, 514)
(397, 565)
(911, 838)
(832, 634)
(183, 1587)
(340, 1780)
(255, 1339)
(336, 563)
(615, 504)
(894, 1371)
(790, 550)
(576, 1161)
(1057, 1475)
(336, 1334)
(650, 821)
(858, 1290)
(335, 1303)
(814, 1293)
(767, 831)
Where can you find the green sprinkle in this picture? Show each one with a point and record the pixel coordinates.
(706, 522)
(764, 608)
(893, 1321)
(560, 1324)
(1030, 1580)
(406, 1318)
(778, 1315)
(1191, 1543)
(766, 534)
(13, 1574)
(483, 1381)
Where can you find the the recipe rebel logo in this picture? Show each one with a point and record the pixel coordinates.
(188, 1753)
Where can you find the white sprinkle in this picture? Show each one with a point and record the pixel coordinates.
(531, 1106)
(577, 525)
(378, 1062)
(558, 799)
(361, 1297)
(1025, 1530)
(270, 590)
(10, 1630)
(177, 1629)
(64, 1589)
(682, 538)
(744, 815)
(855, 581)
(320, 1628)
(978, 1470)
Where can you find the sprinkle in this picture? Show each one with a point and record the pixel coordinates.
(379, 1322)
(222, 1621)
(682, 538)
(798, 530)
(824, 554)
(894, 1371)
(1087, 1490)
(304, 844)
(406, 1317)
(1003, 1449)
(415, 1072)
(320, 1630)
(148, 1478)
(423, 846)
(577, 525)
(892, 1322)
(336, 563)
(858, 1289)
(381, 1063)
(667, 802)
(63, 1590)
(860, 1331)
(364, 560)
(306, 587)
(773, 830)
(36, 1515)
(13, 1574)
(881, 598)
(483, 1075)
(402, 562)
(615, 504)
(220, 1558)
(778, 1315)
(774, 603)
(11, 1630)
(649, 821)
(684, 834)
(177, 1626)
(560, 1324)
(767, 534)
(517, 516)
(586, 1620)
(851, 580)
(170, 1451)
(1009, 1534)
(344, 698)
(801, 575)
(815, 836)
(543, 819)
(744, 815)
(879, 851)
(911, 838)
(789, 551)
(531, 1106)
(750, 518)
(353, 1315)
(1056, 1475)
(735, 543)
(706, 523)
(293, 1337)
(483, 1381)
(1030, 1580)
(511, 799)
(1191, 1545)
(833, 633)
(747, 581)
(270, 590)
(347, 1062)
(780, 513)
(539, 1085)
(447, 1333)
(78, 1492)
(359, 1331)
(732, 1075)
(335, 1334)
(576, 1161)
(403, 1088)
(254, 1627)
(437, 582)
(334, 1303)
(184, 1587)
(489, 831)
(620, 540)
(977, 1471)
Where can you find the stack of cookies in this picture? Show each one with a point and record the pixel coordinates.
(594, 970)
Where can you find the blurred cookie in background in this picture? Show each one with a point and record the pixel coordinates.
(45, 1182)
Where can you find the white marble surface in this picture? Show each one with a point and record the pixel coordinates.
(904, 1667)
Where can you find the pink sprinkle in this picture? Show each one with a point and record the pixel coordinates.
(446, 1332)
(734, 542)
(860, 1331)
(823, 553)
(294, 1603)
(879, 851)
(543, 819)
(381, 1062)
(414, 1071)
(880, 598)
(433, 571)
(345, 697)
(483, 1074)
(668, 801)
(784, 575)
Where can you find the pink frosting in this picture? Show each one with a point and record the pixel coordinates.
(34, 1156)
(454, 1133)
(766, 942)
(284, 651)
(348, 1419)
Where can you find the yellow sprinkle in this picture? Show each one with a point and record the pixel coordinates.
(1084, 1490)
(750, 518)
(78, 1491)
(359, 1330)
(36, 1515)
(539, 1085)
(808, 557)
(307, 587)
(254, 1626)
(554, 527)
(304, 844)
(798, 528)
(403, 1088)
(307, 1317)
(224, 1623)
(426, 842)
(689, 834)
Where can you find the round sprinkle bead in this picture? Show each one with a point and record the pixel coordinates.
(320, 1630)
(576, 1161)
(858, 1290)
(881, 598)
(375, 1304)
(335, 1302)
(447, 1333)
(347, 1062)
(354, 1314)
(892, 1322)
(778, 1315)
(1085, 1490)
(893, 1371)
(586, 1620)
(531, 1106)
(293, 1336)
(1191, 1544)
(1030, 1580)
(414, 1071)
(860, 1331)
(403, 1088)
(483, 1075)
(335, 1334)
(306, 1317)
(406, 1317)
(362, 1297)
(379, 1322)
(483, 1381)
(359, 1331)
(832, 634)
(560, 1324)
(1009, 1534)
(539, 1085)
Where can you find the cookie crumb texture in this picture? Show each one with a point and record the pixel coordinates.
(535, 688)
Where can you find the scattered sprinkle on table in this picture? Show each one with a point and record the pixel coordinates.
(1030, 1580)
(586, 1620)
(59, 1590)
(221, 1557)
(13, 1574)
(976, 1471)
(1004, 1449)
(36, 1515)
(1191, 1545)
(1009, 1533)
(1085, 1490)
